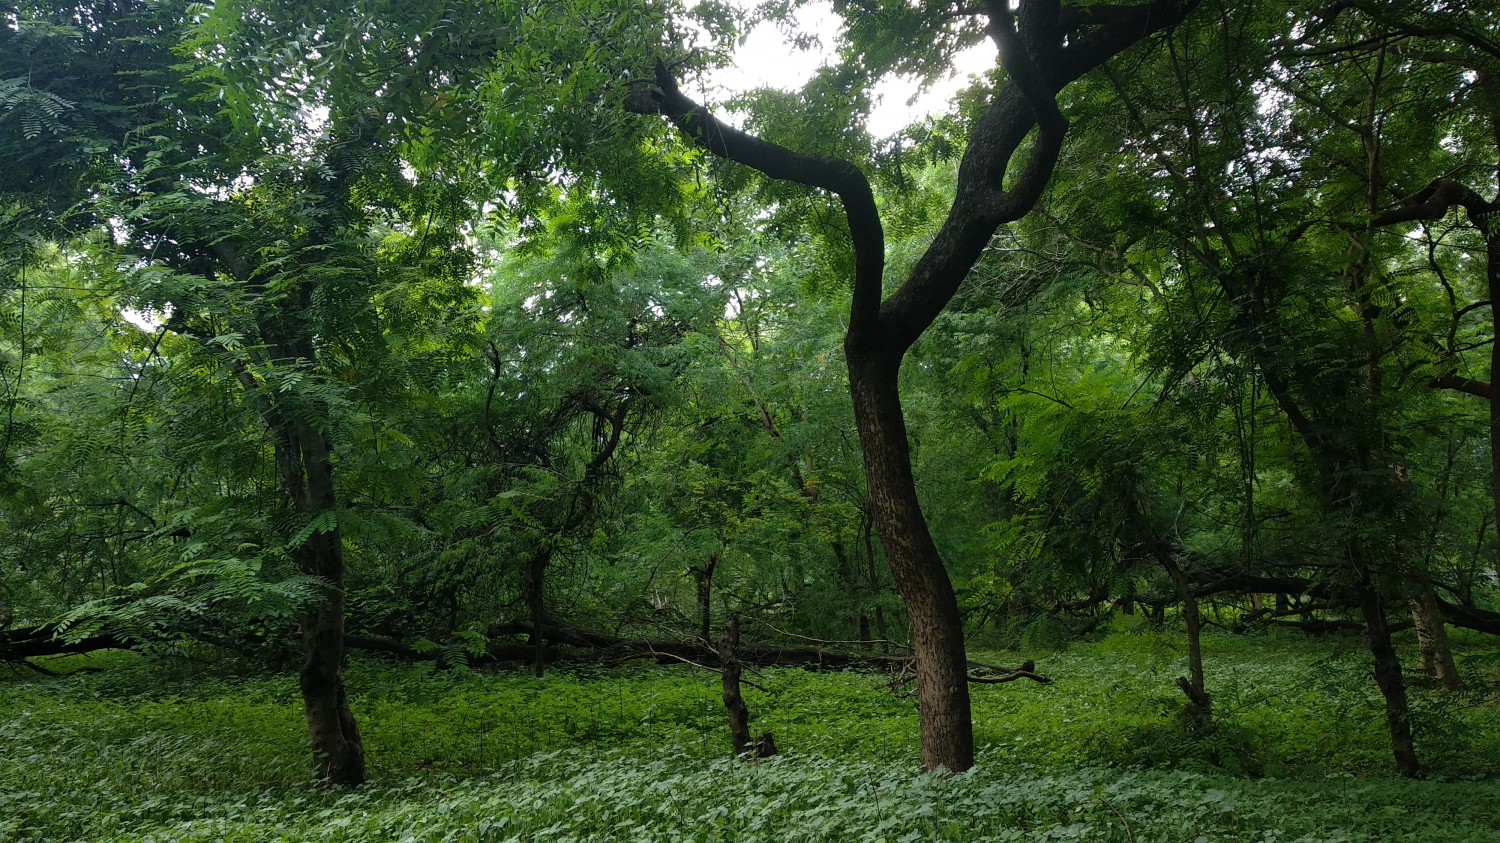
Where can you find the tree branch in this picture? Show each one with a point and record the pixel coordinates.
(1433, 201)
(841, 178)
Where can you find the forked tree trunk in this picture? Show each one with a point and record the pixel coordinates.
(1196, 691)
(1194, 686)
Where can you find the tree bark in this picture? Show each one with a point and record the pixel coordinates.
(1195, 685)
(1194, 623)
(305, 472)
(1388, 678)
(1436, 654)
(536, 572)
(1491, 231)
(730, 671)
(947, 735)
(306, 462)
(705, 598)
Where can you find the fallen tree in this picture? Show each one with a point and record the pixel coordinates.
(563, 643)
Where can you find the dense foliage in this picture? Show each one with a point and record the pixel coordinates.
(462, 333)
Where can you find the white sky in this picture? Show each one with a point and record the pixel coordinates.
(767, 60)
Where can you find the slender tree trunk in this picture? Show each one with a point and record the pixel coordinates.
(1198, 695)
(705, 598)
(882, 629)
(1194, 687)
(1388, 677)
(1330, 463)
(536, 571)
(1492, 272)
(947, 733)
(1432, 640)
(882, 632)
(330, 723)
(734, 701)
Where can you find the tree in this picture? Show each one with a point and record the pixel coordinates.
(1043, 47)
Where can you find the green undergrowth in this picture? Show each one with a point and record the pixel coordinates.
(180, 750)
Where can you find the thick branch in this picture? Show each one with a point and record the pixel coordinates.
(1433, 201)
(1459, 383)
(1038, 68)
(841, 178)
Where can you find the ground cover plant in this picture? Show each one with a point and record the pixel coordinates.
(448, 418)
(171, 749)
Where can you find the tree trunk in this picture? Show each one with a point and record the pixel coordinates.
(705, 597)
(1432, 640)
(536, 570)
(730, 670)
(1193, 687)
(304, 470)
(1388, 677)
(734, 702)
(1198, 695)
(882, 632)
(330, 723)
(947, 733)
(1041, 54)
(1492, 273)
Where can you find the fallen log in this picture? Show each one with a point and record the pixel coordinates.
(1010, 677)
(613, 650)
(1324, 626)
(494, 654)
(563, 643)
(620, 650)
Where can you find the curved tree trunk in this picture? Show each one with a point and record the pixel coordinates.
(937, 631)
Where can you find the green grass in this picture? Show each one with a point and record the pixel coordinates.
(174, 750)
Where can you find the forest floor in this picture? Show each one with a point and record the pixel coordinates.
(185, 750)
